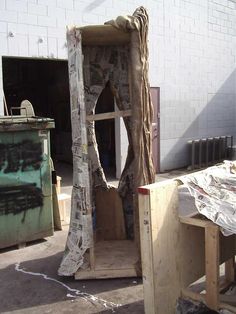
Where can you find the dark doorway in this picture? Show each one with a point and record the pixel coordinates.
(45, 84)
(105, 132)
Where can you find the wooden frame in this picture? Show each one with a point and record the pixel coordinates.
(119, 257)
(155, 94)
(122, 64)
(174, 254)
(212, 297)
(108, 115)
(103, 35)
(111, 258)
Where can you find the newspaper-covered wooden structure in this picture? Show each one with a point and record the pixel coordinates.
(179, 247)
(115, 53)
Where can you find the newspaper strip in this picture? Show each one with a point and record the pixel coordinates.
(214, 191)
(80, 236)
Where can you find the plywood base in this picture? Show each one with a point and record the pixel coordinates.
(113, 259)
(110, 222)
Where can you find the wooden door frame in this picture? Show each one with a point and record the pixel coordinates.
(155, 94)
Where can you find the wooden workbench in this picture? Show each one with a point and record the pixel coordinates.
(178, 251)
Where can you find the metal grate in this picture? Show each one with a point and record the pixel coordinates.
(209, 151)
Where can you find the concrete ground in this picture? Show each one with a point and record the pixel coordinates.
(22, 292)
(30, 292)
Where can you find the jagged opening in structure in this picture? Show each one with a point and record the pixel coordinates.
(105, 132)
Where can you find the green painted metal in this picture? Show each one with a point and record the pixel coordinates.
(25, 180)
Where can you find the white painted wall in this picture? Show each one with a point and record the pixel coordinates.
(195, 72)
(121, 145)
(192, 57)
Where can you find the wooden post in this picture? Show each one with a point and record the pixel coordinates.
(229, 270)
(212, 266)
(147, 252)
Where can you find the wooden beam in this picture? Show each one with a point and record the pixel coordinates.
(199, 287)
(186, 293)
(150, 301)
(108, 115)
(100, 35)
(173, 253)
(195, 221)
(229, 270)
(212, 266)
(228, 307)
(105, 273)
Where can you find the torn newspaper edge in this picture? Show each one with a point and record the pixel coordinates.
(80, 236)
(214, 191)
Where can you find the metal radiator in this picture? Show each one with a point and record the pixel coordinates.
(209, 151)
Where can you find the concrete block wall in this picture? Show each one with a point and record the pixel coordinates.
(192, 57)
(198, 81)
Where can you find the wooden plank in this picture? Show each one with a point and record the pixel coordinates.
(227, 247)
(200, 285)
(96, 35)
(176, 251)
(56, 210)
(105, 273)
(108, 115)
(212, 266)
(176, 262)
(228, 307)
(230, 270)
(92, 258)
(58, 184)
(115, 254)
(112, 259)
(150, 305)
(229, 299)
(226, 301)
(62, 198)
(110, 223)
(195, 221)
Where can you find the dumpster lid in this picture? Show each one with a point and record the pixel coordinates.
(18, 123)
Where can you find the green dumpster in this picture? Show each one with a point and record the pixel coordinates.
(25, 180)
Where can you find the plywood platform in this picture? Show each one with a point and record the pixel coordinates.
(113, 259)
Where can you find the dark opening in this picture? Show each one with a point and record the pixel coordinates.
(105, 132)
(45, 84)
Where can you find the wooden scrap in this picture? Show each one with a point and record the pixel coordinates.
(110, 223)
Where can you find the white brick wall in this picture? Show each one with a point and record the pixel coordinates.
(199, 85)
(192, 56)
